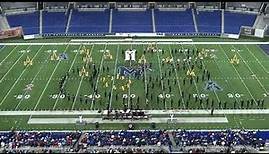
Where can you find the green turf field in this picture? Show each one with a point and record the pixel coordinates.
(162, 86)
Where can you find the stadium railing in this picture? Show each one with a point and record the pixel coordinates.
(125, 34)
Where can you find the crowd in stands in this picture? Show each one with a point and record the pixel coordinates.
(220, 138)
(130, 141)
(126, 138)
(15, 140)
(127, 150)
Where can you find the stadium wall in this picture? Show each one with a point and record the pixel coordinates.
(128, 34)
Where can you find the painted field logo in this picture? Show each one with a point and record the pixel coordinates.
(212, 86)
(133, 72)
(63, 56)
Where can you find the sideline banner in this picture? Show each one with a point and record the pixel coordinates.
(139, 34)
(11, 33)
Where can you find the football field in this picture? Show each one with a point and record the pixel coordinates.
(162, 76)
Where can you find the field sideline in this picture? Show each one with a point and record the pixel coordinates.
(243, 82)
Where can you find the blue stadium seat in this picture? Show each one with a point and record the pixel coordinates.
(174, 21)
(127, 21)
(233, 21)
(132, 21)
(209, 21)
(54, 22)
(89, 22)
(29, 22)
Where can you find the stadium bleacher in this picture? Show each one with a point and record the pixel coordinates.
(209, 21)
(220, 138)
(127, 138)
(233, 21)
(54, 22)
(38, 139)
(132, 21)
(121, 139)
(29, 22)
(174, 21)
(89, 21)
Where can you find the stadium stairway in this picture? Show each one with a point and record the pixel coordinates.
(222, 21)
(70, 11)
(77, 143)
(110, 20)
(256, 20)
(172, 139)
(40, 21)
(260, 22)
(153, 21)
(3, 23)
(194, 19)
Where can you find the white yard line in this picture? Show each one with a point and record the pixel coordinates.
(239, 76)
(30, 83)
(145, 77)
(12, 87)
(213, 90)
(98, 76)
(236, 122)
(2, 48)
(19, 77)
(13, 65)
(8, 54)
(46, 86)
(160, 69)
(114, 76)
(265, 90)
(80, 82)
(129, 88)
(76, 96)
(226, 81)
(257, 60)
(178, 84)
(43, 64)
(194, 81)
(55, 104)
